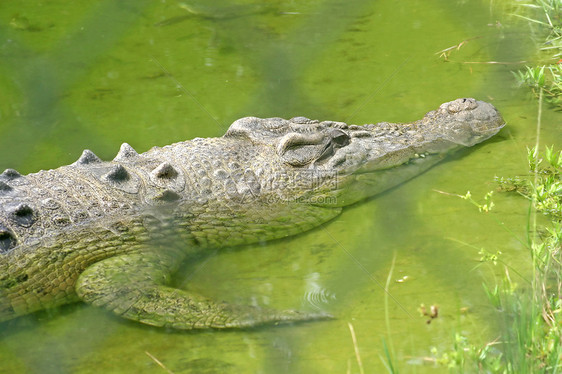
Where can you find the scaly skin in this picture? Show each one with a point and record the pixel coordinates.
(112, 233)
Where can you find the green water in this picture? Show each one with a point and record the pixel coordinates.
(77, 75)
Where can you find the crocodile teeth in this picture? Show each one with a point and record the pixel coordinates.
(165, 171)
(117, 174)
(10, 174)
(88, 157)
(4, 187)
(126, 152)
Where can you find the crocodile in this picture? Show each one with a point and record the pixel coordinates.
(112, 233)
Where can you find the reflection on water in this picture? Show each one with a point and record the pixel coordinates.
(85, 77)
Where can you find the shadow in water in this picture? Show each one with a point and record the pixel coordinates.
(45, 78)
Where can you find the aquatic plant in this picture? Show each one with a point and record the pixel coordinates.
(530, 314)
(545, 20)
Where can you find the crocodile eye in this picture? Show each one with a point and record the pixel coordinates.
(298, 149)
(340, 138)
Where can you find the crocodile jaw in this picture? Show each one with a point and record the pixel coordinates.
(456, 124)
(376, 160)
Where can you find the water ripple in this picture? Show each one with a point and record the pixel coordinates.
(316, 295)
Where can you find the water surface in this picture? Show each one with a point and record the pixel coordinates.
(93, 75)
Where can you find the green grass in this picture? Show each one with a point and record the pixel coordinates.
(545, 20)
(530, 314)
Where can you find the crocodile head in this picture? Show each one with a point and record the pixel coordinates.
(335, 164)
